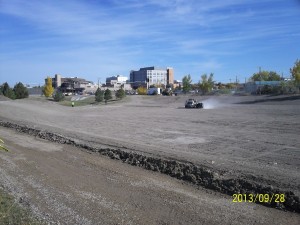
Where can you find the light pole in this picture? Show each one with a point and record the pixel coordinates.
(99, 82)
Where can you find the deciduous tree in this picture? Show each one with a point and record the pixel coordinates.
(142, 90)
(48, 89)
(206, 84)
(187, 83)
(295, 72)
(265, 76)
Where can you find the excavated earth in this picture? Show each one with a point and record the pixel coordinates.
(236, 144)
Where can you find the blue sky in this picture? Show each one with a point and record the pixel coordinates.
(94, 39)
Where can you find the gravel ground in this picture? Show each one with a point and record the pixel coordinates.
(253, 138)
(62, 184)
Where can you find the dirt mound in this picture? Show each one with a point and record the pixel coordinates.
(3, 98)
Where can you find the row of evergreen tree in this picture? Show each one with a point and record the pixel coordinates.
(17, 92)
(106, 95)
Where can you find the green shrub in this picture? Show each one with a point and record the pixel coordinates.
(58, 96)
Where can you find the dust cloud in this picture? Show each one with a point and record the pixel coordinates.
(212, 104)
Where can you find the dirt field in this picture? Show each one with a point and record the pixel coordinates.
(253, 138)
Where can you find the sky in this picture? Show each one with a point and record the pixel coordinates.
(94, 39)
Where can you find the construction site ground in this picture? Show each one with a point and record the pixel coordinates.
(254, 138)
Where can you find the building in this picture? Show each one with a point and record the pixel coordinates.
(170, 76)
(73, 84)
(116, 82)
(148, 76)
(177, 84)
(119, 80)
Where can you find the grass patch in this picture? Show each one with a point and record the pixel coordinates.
(86, 101)
(90, 100)
(13, 214)
(38, 98)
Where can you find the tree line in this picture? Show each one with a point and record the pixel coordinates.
(17, 92)
(101, 95)
(206, 82)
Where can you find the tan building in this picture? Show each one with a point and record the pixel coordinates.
(177, 83)
(170, 75)
(73, 84)
(56, 81)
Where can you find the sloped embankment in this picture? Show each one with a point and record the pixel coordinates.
(195, 174)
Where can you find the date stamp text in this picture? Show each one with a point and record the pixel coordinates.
(259, 198)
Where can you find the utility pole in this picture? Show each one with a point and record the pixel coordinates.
(98, 82)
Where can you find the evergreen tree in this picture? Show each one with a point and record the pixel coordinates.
(20, 91)
(7, 91)
(99, 95)
(59, 96)
(107, 95)
(120, 93)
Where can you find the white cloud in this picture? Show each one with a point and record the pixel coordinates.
(120, 35)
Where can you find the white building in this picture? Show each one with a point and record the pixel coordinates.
(152, 76)
(116, 80)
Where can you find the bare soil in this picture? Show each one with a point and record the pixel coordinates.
(253, 138)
